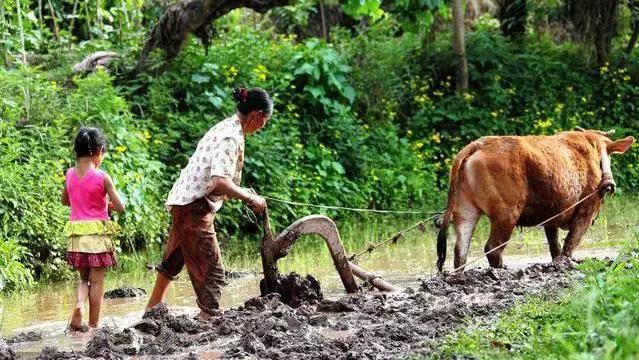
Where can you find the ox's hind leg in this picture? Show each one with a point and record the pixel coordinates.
(552, 235)
(465, 219)
(500, 231)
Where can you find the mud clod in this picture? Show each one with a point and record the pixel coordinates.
(124, 292)
(25, 337)
(52, 353)
(5, 351)
(252, 344)
(296, 290)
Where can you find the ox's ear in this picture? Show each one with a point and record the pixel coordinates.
(620, 146)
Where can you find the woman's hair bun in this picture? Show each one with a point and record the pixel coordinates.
(240, 95)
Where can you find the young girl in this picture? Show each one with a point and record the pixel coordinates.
(90, 248)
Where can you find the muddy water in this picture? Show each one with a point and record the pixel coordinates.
(46, 310)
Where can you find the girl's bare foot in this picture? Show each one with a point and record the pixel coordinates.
(76, 319)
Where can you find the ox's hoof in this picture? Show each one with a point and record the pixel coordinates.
(563, 261)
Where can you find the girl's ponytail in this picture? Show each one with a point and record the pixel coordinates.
(89, 141)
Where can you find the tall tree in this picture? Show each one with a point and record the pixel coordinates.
(459, 46)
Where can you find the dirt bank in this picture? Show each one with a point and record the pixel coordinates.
(367, 325)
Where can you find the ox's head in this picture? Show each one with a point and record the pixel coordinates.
(608, 147)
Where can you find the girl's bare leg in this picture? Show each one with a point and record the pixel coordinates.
(82, 292)
(96, 292)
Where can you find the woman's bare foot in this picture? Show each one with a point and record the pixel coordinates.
(76, 320)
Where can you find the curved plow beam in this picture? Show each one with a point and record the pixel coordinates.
(275, 249)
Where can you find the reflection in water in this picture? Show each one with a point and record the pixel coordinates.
(47, 309)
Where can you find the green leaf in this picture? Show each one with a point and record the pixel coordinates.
(349, 93)
(200, 79)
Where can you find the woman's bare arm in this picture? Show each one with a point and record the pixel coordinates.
(225, 186)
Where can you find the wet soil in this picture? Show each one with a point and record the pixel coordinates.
(5, 351)
(124, 292)
(360, 326)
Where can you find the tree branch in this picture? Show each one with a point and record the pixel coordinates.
(193, 16)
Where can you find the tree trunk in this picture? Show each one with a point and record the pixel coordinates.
(23, 51)
(56, 30)
(596, 22)
(193, 16)
(459, 47)
(634, 8)
(513, 15)
(3, 24)
(323, 19)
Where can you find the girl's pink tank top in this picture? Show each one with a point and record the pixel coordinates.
(87, 195)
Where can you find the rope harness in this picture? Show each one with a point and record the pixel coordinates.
(328, 207)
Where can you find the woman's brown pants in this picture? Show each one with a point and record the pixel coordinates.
(192, 242)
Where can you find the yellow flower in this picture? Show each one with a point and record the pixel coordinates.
(146, 134)
(120, 149)
(260, 72)
(299, 146)
(468, 97)
(436, 138)
(543, 124)
(626, 78)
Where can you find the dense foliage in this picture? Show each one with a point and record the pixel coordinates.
(370, 119)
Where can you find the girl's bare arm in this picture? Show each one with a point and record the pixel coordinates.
(118, 205)
(65, 196)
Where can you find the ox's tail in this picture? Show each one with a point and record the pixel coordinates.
(453, 182)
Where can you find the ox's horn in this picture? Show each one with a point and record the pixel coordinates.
(579, 128)
(610, 132)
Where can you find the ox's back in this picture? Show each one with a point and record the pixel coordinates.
(534, 176)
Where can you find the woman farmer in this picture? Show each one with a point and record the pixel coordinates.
(211, 176)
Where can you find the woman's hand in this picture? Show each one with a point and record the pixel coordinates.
(257, 203)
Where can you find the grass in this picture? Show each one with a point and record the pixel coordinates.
(597, 319)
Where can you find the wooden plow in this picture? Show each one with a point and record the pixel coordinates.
(273, 249)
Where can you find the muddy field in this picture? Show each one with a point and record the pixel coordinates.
(368, 325)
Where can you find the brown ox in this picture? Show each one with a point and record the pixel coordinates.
(524, 180)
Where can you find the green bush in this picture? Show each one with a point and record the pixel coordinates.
(37, 152)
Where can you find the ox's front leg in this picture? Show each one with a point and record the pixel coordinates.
(552, 235)
(500, 231)
(580, 224)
